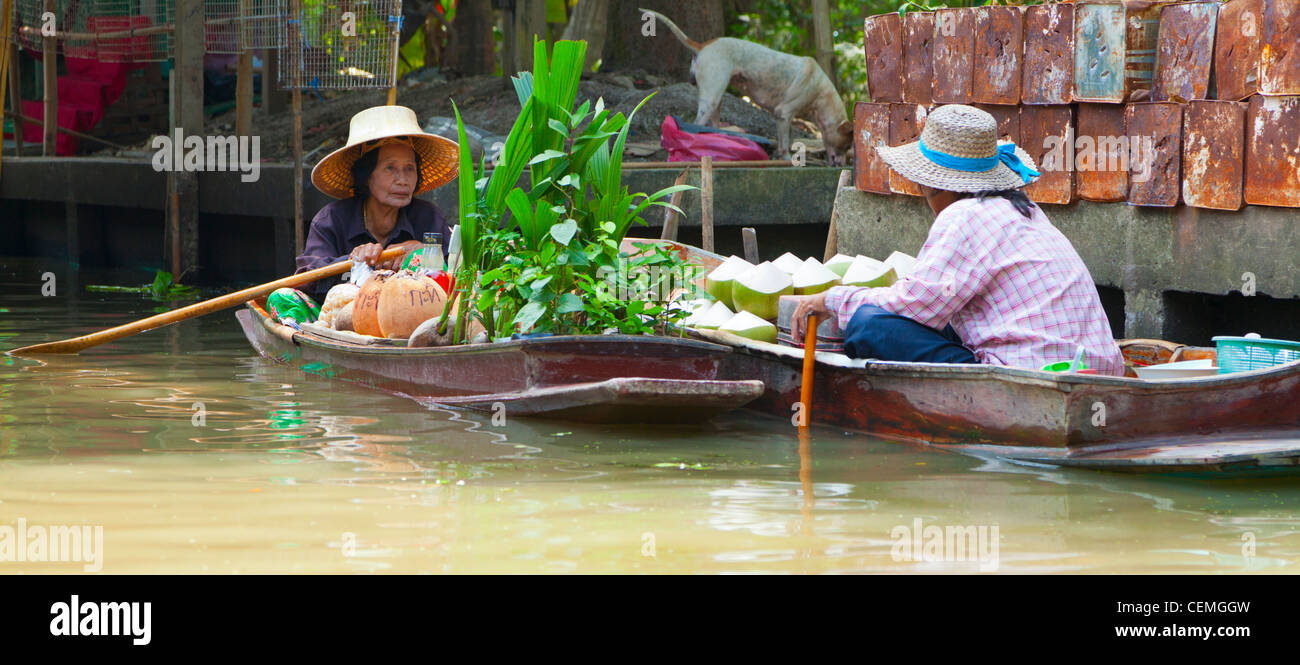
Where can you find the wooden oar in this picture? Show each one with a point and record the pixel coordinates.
(809, 357)
(77, 344)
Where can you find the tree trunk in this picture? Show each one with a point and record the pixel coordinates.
(469, 43)
(627, 48)
(590, 22)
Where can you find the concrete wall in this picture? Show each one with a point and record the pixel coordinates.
(1152, 254)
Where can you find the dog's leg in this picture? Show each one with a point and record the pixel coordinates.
(713, 77)
(783, 118)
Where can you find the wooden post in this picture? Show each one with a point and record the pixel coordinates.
(244, 86)
(822, 37)
(670, 216)
(188, 104)
(508, 62)
(296, 67)
(16, 98)
(750, 239)
(49, 74)
(397, 46)
(833, 233)
(706, 203)
(272, 93)
(6, 31)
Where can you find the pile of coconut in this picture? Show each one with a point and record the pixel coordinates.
(746, 296)
(393, 305)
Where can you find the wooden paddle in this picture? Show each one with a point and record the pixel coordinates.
(77, 344)
(809, 357)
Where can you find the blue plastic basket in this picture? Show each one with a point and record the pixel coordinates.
(1239, 354)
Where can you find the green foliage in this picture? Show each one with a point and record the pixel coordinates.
(163, 288)
(549, 258)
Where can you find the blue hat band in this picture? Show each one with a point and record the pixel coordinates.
(1006, 154)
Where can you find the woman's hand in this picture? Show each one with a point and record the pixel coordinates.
(369, 253)
(406, 247)
(814, 304)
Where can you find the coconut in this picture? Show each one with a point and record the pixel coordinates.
(903, 263)
(839, 263)
(406, 301)
(750, 326)
(338, 296)
(717, 314)
(788, 263)
(343, 318)
(813, 277)
(756, 290)
(365, 307)
(866, 271)
(718, 283)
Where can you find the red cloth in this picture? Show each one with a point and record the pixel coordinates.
(686, 147)
(1013, 288)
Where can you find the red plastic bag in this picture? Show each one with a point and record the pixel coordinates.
(686, 147)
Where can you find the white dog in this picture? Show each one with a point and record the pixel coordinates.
(787, 85)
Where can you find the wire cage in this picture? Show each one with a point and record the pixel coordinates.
(341, 44)
(69, 16)
(221, 26)
(262, 25)
(133, 30)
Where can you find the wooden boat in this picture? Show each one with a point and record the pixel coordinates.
(605, 378)
(1240, 422)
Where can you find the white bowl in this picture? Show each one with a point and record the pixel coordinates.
(1187, 369)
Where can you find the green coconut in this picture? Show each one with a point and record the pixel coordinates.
(749, 326)
(866, 271)
(839, 263)
(711, 317)
(813, 277)
(903, 263)
(718, 282)
(788, 263)
(758, 289)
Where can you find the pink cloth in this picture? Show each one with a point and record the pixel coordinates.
(686, 147)
(1014, 289)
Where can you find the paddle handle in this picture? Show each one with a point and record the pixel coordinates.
(77, 344)
(809, 360)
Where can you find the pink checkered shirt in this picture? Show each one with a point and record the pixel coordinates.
(1014, 289)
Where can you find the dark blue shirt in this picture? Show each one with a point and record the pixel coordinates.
(340, 228)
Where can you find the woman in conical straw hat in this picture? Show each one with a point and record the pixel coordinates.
(994, 283)
(387, 162)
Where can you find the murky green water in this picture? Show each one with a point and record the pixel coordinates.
(288, 472)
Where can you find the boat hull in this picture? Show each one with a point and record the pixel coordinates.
(607, 378)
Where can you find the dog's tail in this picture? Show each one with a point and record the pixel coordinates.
(681, 36)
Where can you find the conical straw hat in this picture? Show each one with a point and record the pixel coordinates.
(959, 151)
(439, 157)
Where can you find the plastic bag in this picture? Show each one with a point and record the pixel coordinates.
(686, 147)
(360, 272)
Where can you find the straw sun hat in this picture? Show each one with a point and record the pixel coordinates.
(439, 157)
(959, 151)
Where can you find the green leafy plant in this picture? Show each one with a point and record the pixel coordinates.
(549, 258)
(163, 288)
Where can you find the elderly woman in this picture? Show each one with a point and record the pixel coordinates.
(387, 162)
(994, 283)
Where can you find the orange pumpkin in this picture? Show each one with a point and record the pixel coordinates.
(406, 301)
(365, 307)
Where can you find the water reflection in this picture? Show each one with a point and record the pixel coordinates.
(289, 472)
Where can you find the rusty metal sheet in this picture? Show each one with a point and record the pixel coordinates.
(1008, 118)
(904, 127)
(999, 43)
(1279, 58)
(1185, 51)
(1214, 141)
(1101, 153)
(954, 55)
(1048, 69)
(883, 46)
(1099, 52)
(1237, 42)
(918, 57)
(1141, 36)
(1155, 132)
(1046, 133)
(871, 129)
(1273, 151)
